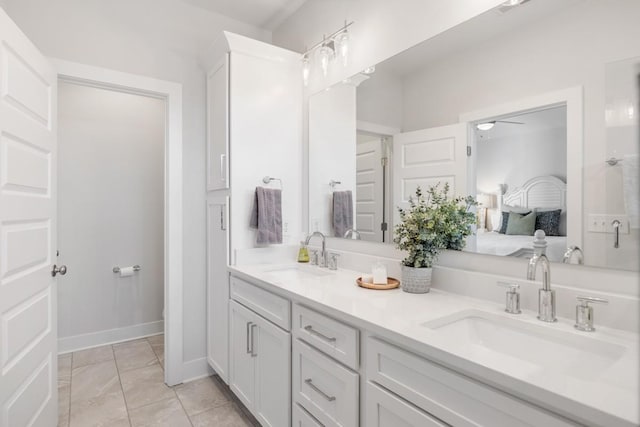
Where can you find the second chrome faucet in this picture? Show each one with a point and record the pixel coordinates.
(546, 295)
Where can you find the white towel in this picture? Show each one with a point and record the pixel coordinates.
(631, 188)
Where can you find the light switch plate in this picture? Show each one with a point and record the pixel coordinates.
(602, 223)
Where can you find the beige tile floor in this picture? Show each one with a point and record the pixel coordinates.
(122, 385)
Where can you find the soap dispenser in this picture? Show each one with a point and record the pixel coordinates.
(303, 253)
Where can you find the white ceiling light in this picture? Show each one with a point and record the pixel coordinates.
(485, 125)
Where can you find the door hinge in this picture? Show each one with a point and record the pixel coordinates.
(383, 226)
(223, 225)
(468, 151)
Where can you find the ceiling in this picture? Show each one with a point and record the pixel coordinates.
(536, 121)
(472, 33)
(266, 14)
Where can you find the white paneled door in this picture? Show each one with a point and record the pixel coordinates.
(369, 203)
(28, 356)
(426, 157)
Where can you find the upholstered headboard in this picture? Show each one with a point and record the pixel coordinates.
(539, 192)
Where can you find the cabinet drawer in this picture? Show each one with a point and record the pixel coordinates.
(384, 409)
(270, 306)
(327, 335)
(326, 389)
(451, 397)
(301, 418)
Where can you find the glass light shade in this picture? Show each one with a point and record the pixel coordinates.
(306, 69)
(485, 126)
(325, 56)
(342, 42)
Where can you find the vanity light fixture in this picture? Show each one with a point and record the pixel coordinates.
(336, 44)
(306, 69)
(326, 54)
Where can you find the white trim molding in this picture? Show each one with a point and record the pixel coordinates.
(110, 336)
(173, 275)
(572, 98)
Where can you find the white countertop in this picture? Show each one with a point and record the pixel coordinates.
(610, 398)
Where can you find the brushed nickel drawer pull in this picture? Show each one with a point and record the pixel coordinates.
(249, 338)
(253, 353)
(310, 383)
(312, 331)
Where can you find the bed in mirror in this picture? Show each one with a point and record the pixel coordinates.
(526, 126)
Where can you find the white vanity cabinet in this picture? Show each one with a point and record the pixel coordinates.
(259, 355)
(444, 395)
(325, 363)
(218, 286)
(218, 125)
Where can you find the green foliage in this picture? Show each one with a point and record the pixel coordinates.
(433, 222)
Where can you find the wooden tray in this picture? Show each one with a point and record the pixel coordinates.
(391, 284)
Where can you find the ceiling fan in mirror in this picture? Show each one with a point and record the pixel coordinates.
(490, 124)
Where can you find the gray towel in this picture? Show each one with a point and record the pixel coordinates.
(266, 215)
(342, 212)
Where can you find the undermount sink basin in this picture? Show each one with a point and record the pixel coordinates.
(298, 271)
(508, 340)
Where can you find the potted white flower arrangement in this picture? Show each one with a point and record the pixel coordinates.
(432, 222)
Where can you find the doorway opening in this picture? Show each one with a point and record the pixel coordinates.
(124, 154)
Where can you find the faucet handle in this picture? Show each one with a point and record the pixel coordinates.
(332, 262)
(313, 259)
(512, 298)
(584, 312)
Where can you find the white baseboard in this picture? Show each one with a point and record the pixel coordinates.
(195, 369)
(110, 336)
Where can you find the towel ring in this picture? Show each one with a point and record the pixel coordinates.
(267, 179)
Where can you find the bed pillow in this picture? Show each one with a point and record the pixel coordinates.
(521, 224)
(549, 222)
(504, 219)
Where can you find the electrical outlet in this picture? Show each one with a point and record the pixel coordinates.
(603, 223)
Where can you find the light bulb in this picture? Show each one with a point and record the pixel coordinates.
(306, 69)
(343, 46)
(325, 56)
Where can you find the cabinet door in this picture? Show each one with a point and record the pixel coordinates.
(218, 126)
(272, 346)
(242, 365)
(217, 288)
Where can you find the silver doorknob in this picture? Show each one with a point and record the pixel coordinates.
(62, 270)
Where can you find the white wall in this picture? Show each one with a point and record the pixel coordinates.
(161, 39)
(265, 135)
(332, 146)
(565, 50)
(110, 209)
(382, 28)
(380, 100)
(514, 160)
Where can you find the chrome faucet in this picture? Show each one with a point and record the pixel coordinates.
(322, 262)
(546, 296)
(573, 250)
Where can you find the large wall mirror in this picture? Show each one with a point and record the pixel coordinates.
(532, 109)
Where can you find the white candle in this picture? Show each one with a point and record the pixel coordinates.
(379, 272)
(367, 278)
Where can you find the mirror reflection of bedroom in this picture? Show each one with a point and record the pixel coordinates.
(521, 176)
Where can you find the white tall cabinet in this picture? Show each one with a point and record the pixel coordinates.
(254, 129)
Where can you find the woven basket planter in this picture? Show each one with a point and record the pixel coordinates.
(416, 280)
